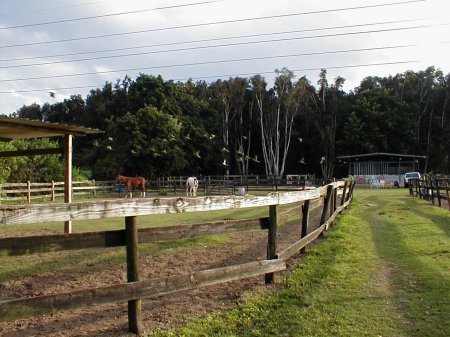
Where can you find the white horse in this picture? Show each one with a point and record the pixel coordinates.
(191, 186)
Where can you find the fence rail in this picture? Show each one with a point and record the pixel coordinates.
(136, 289)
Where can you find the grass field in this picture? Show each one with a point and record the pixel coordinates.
(383, 270)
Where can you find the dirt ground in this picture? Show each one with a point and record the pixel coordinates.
(159, 312)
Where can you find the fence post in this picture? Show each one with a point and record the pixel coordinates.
(432, 191)
(53, 190)
(272, 239)
(326, 205)
(417, 188)
(344, 193)
(420, 188)
(28, 192)
(350, 190)
(438, 192)
(95, 189)
(446, 191)
(335, 196)
(134, 306)
(305, 220)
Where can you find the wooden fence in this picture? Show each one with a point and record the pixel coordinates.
(229, 184)
(50, 190)
(433, 189)
(208, 185)
(136, 289)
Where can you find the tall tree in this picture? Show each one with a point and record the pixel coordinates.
(276, 112)
(326, 106)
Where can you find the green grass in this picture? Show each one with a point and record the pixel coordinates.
(382, 271)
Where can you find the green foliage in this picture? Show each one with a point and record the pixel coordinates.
(41, 168)
(226, 125)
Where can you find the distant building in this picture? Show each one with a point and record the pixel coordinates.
(389, 167)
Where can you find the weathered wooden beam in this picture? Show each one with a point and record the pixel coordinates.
(41, 305)
(35, 213)
(48, 243)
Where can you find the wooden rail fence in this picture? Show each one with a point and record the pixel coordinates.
(208, 185)
(136, 289)
(433, 189)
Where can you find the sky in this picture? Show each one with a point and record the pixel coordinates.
(52, 49)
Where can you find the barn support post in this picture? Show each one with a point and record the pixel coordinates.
(68, 179)
(305, 220)
(326, 204)
(53, 190)
(272, 239)
(132, 248)
(344, 191)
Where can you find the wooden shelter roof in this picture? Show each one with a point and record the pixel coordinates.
(20, 128)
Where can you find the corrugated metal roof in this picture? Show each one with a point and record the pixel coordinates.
(20, 128)
(384, 154)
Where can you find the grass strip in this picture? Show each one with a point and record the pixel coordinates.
(382, 271)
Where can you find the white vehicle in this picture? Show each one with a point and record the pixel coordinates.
(411, 176)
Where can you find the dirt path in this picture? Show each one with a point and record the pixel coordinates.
(159, 312)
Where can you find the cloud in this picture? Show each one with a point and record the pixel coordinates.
(321, 22)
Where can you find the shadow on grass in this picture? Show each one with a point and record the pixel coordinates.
(420, 291)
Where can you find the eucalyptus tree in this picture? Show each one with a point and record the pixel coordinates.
(326, 102)
(242, 123)
(277, 109)
(221, 95)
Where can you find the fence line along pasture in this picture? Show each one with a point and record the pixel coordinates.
(433, 189)
(29, 191)
(209, 185)
(136, 289)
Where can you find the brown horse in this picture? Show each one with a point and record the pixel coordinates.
(131, 182)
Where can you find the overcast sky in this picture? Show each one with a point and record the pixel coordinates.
(70, 47)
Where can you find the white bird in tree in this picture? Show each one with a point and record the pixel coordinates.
(224, 162)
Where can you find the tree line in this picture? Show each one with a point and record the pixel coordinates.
(154, 127)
